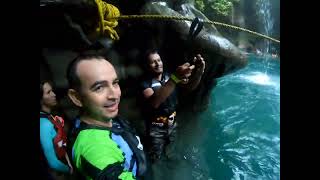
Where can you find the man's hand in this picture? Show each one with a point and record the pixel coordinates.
(69, 163)
(199, 62)
(184, 71)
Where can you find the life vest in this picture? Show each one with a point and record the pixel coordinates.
(164, 115)
(60, 140)
(122, 128)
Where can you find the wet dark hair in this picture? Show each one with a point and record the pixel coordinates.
(42, 82)
(145, 57)
(148, 52)
(41, 89)
(72, 76)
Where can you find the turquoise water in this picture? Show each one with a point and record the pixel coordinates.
(238, 136)
(244, 121)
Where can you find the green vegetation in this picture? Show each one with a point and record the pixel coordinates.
(220, 8)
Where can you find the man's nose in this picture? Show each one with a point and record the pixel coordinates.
(112, 93)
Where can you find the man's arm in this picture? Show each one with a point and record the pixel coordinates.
(196, 74)
(159, 96)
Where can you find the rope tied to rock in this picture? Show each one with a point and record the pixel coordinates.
(107, 19)
(181, 18)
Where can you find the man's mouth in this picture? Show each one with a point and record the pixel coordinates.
(112, 106)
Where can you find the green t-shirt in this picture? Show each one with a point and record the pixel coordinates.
(94, 150)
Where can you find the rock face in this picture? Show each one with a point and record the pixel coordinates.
(209, 39)
(171, 37)
(222, 57)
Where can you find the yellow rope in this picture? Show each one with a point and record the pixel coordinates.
(107, 21)
(181, 18)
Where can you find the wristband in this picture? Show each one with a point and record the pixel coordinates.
(175, 79)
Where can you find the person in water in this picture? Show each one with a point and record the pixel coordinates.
(160, 99)
(106, 146)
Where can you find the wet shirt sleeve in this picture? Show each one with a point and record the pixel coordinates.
(144, 85)
(47, 134)
(99, 158)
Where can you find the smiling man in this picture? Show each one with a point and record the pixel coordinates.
(160, 99)
(106, 147)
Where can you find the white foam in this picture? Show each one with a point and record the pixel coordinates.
(260, 78)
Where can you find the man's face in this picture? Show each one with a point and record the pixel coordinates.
(49, 97)
(155, 63)
(100, 90)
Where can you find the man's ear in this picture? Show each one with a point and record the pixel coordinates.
(75, 97)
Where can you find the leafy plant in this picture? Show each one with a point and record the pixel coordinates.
(221, 8)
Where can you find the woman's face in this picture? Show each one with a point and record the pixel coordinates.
(49, 97)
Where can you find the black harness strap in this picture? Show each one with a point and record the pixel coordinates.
(195, 28)
(111, 172)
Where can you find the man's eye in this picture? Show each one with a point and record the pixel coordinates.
(115, 83)
(98, 88)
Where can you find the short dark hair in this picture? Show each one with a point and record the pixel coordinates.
(146, 55)
(148, 52)
(72, 76)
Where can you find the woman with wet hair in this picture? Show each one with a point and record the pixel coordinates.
(54, 158)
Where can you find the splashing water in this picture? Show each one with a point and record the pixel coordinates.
(238, 137)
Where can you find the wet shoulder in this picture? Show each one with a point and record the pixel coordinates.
(45, 122)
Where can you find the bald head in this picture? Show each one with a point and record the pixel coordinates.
(95, 88)
(93, 71)
(72, 70)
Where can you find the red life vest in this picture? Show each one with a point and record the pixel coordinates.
(60, 140)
